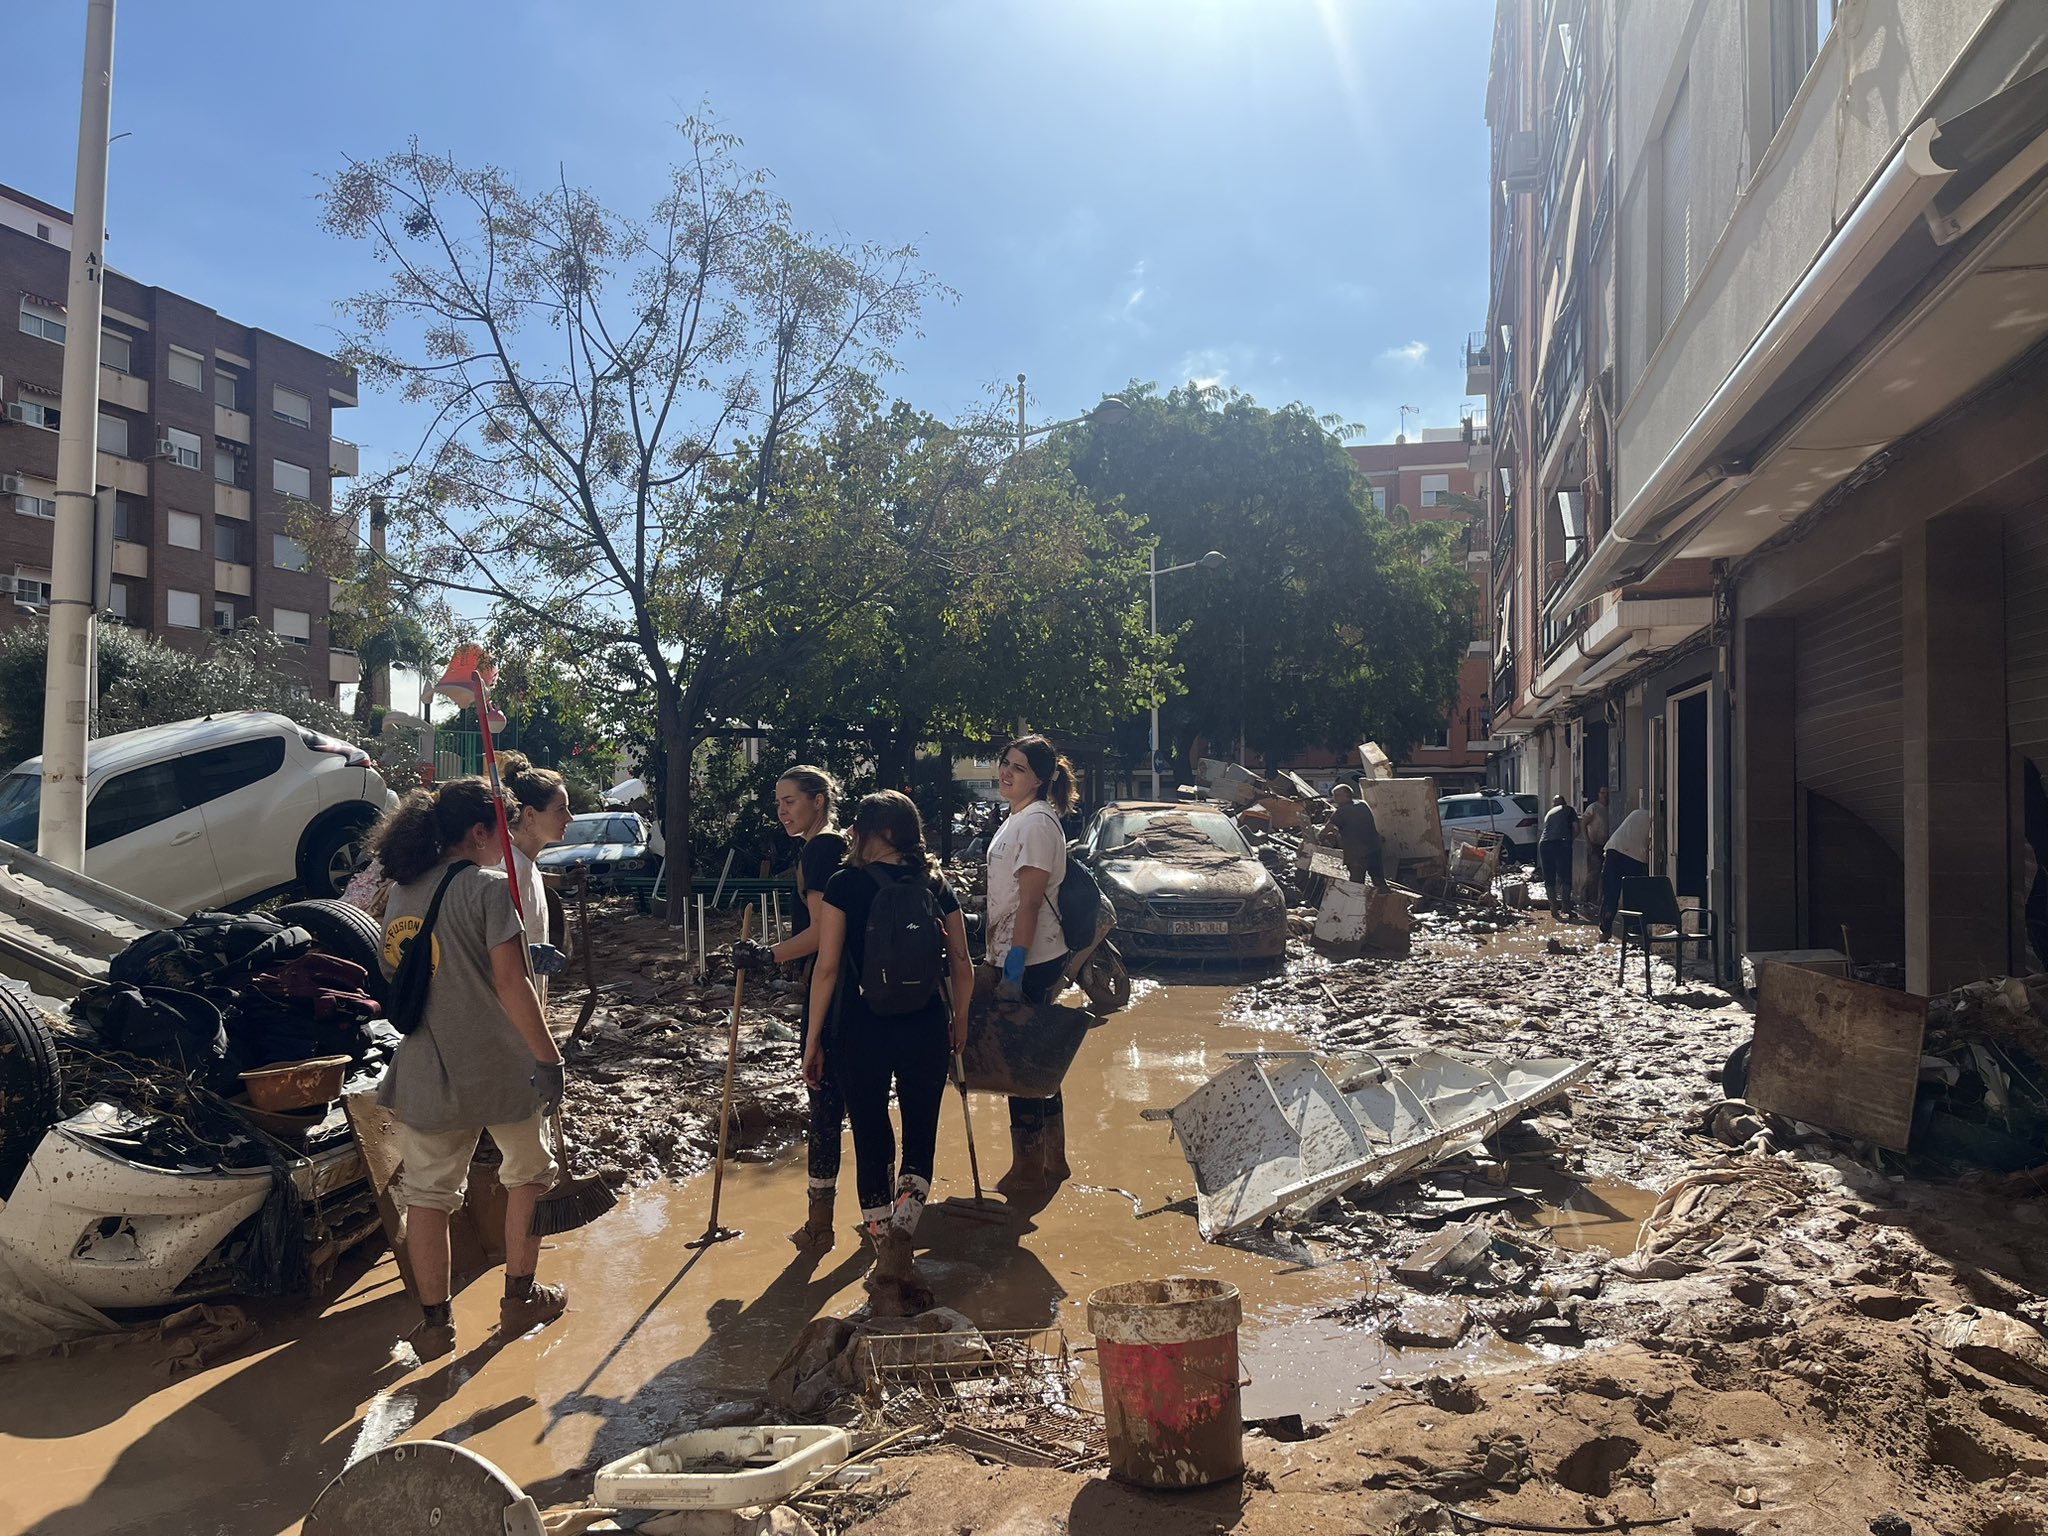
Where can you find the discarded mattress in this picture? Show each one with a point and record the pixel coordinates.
(1274, 1131)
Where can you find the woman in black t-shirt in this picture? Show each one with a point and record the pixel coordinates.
(803, 803)
(872, 1052)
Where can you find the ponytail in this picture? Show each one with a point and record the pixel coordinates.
(1056, 784)
(892, 816)
(417, 836)
(530, 788)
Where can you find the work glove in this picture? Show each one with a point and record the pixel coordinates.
(752, 956)
(547, 960)
(1011, 988)
(548, 1083)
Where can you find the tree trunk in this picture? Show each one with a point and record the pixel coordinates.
(679, 746)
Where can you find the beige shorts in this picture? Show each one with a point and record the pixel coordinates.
(434, 1165)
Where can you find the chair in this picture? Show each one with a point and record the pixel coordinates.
(1648, 904)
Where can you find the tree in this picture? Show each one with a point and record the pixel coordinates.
(617, 406)
(1325, 624)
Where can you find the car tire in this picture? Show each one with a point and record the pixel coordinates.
(342, 930)
(328, 861)
(1735, 1073)
(29, 1085)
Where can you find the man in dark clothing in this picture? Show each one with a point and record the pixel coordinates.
(1359, 836)
(1555, 854)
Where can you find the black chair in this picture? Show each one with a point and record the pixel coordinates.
(1648, 904)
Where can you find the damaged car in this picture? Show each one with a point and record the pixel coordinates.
(1184, 882)
(614, 846)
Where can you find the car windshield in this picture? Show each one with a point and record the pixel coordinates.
(602, 829)
(1118, 828)
(21, 799)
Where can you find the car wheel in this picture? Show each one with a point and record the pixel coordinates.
(1735, 1073)
(331, 857)
(342, 930)
(29, 1083)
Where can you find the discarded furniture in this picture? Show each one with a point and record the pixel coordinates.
(1356, 918)
(1839, 1054)
(1274, 1131)
(1650, 915)
(1828, 962)
(1411, 830)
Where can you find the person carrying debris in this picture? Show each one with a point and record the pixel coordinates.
(1027, 860)
(891, 943)
(1627, 854)
(540, 814)
(1554, 854)
(804, 798)
(480, 1058)
(1358, 834)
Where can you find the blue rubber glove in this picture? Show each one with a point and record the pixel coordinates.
(1011, 988)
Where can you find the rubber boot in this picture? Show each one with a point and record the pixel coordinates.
(895, 1287)
(1026, 1178)
(1052, 1132)
(815, 1235)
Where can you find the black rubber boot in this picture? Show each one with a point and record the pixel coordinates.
(816, 1235)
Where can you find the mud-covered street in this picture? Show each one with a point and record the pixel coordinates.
(1794, 1341)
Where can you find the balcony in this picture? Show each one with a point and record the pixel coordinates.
(232, 425)
(342, 458)
(231, 578)
(131, 559)
(1478, 364)
(124, 390)
(1564, 133)
(344, 667)
(1564, 377)
(130, 475)
(1560, 628)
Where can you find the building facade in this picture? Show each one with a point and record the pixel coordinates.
(208, 430)
(1798, 623)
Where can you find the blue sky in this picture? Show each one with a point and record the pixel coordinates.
(1285, 195)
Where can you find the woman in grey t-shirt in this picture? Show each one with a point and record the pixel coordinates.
(480, 1059)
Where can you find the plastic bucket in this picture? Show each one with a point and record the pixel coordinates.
(1167, 1352)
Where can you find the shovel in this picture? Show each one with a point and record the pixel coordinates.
(714, 1233)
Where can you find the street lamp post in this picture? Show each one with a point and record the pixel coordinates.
(1107, 411)
(1208, 562)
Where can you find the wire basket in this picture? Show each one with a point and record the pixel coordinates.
(1007, 1394)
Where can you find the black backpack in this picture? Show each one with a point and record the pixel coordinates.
(415, 972)
(903, 953)
(221, 948)
(1081, 906)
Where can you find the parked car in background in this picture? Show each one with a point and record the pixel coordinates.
(1512, 816)
(216, 812)
(614, 846)
(1184, 882)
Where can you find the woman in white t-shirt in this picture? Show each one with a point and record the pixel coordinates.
(539, 801)
(1027, 860)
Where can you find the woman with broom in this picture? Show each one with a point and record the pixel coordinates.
(881, 991)
(804, 799)
(481, 1057)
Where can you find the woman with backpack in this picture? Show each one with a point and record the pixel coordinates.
(540, 814)
(804, 798)
(479, 1057)
(1027, 860)
(891, 988)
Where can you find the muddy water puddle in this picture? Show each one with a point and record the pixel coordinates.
(658, 1332)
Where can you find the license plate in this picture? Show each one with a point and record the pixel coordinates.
(1197, 925)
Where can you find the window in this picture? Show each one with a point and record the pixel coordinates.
(221, 771)
(114, 435)
(287, 553)
(117, 600)
(32, 587)
(116, 352)
(35, 504)
(1798, 28)
(134, 800)
(1674, 207)
(223, 615)
(181, 448)
(289, 405)
(181, 609)
(44, 320)
(33, 413)
(227, 465)
(227, 387)
(290, 624)
(1378, 493)
(181, 531)
(1436, 490)
(131, 524)
(42, 231)
(230, 542)
(292, 479)
(187, 368)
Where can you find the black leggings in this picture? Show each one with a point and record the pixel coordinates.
(912, 1056)
(1039, 981)
(826, 1131)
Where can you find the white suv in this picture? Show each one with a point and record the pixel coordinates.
(215, 812)
(1512, 816)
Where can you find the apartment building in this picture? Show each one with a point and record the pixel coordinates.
(1437, 476)
(1800, 620)
(207, 431)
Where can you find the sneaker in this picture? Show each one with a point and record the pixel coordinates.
(432, 1341)
(543, 1305)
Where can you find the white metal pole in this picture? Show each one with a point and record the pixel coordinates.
(1022, 433)
(67, 677)
(1152, 570)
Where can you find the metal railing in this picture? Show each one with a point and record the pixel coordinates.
(1478, 351)
(1563, 372)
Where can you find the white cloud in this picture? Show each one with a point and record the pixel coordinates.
(1411, 356)
(1207, 366)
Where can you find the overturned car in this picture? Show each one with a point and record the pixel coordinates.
(1184, 882)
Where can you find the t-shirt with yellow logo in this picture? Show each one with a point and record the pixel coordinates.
(398, 937)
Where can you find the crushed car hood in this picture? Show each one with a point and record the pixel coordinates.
(1154, 877)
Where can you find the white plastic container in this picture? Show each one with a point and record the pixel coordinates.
(763, 1465)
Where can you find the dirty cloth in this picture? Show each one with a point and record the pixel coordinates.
(36, 1313)
(1173, 838)
(465, 1066)
(1030, 839)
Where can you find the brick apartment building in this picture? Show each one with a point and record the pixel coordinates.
(208, 429)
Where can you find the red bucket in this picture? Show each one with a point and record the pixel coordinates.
(1167, 1352)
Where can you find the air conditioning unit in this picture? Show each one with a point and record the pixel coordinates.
(11, 485)
(166, 449)
(17, 411)
(1521, 169)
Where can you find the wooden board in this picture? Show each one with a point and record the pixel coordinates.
(1838, 1054)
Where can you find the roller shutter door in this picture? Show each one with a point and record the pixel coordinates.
(1849, 686)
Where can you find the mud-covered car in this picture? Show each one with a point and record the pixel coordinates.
(612, 845)
(1184, 882)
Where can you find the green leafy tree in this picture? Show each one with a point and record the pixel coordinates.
(1325, 624)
